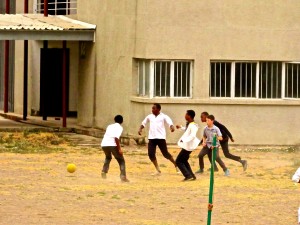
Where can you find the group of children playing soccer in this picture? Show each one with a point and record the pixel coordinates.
(157, 137)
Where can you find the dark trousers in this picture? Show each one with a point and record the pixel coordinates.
(109, 151)
(183, 164)
(207, 151)
(162, 144)
(226, 152)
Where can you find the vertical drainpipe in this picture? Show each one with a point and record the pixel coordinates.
(25, 84)
(6, 64)
(64, 85)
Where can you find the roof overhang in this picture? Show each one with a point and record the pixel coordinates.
(38, 27)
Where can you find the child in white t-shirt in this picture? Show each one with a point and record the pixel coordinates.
(111, 146)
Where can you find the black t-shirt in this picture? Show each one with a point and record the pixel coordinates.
(225, 132)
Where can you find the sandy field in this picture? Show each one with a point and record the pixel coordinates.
(35, 187)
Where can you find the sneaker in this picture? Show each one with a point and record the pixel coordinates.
(227, 173)
(157, 173)
(194, 177)
(188, 179)
(103, 175)
(124, 179)
(177, 170)
(199, 171)
(245, 164)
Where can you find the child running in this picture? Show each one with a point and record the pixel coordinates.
(209, 131)
(188, 142)
(226, 135)
(111, 146)
(157, 135)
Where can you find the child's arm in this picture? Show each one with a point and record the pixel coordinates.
(219, 135)
(204, 141)
(143, 125)
(180, 127)
(118, 145)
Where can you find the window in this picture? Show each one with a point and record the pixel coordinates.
(164, 78)
(260, 80)
(182, 79)
(144, 77)
(220, 77)
(270, 80)
(292, 80)
(245, 80)
(57, 7)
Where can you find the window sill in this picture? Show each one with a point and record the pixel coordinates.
(216, 101)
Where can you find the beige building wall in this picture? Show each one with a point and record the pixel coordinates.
(115, 37)
(222, 30)
(200, 31)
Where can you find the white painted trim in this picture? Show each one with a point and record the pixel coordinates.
(191, 79)
(283, 80)
(232, 82)
(172, 78)
(151, 84)
(257, 80)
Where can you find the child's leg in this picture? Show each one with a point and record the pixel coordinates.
(181, 161)
(209, 154)
(107, 152)
(227, 154)
(201, 155)
(162, 144)
(188, 166)
(219, 160)
(121, 161)
(152, 153)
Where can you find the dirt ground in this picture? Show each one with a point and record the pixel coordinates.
(37, 189)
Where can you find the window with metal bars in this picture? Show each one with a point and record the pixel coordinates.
(292, 80)
(261, 80)
(57, 7)
(220, 78)
(144, 77)
(245, 80)
(164, 78)
(270, 80)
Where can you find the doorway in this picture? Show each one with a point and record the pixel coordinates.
(51, 81)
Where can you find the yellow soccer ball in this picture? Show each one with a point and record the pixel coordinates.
(71, 168)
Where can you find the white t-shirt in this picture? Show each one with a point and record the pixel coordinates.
(112, 131)
(157, 125)
(296, 176)
(188, 140)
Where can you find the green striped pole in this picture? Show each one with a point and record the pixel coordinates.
(211, 185)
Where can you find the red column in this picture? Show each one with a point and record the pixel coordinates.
(64, 85)
(46, 8)
(6, 64)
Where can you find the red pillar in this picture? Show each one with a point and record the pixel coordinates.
(46, 8)
(64, 85)
(25, 84)
(6, 64)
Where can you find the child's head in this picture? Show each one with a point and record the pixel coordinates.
(203, 116)
(190, 115)
(156, 108)
(210, 120)
(119, 119)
